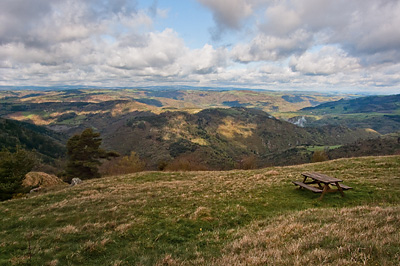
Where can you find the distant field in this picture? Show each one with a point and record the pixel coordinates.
(47, 106)
(254, 217)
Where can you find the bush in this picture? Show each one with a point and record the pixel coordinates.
(319, 156)
(247, 162)
(124, 165)
(186, 162)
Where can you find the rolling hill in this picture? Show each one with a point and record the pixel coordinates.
(203, 129)
(50, 104)
(380, 113)
(254, 217)
(219, 139)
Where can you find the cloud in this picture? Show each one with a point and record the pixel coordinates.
(271, 48)
(156, 51)
(328, 60)
(228, 14)
(362, 27)
(298, 44)
(206, 60)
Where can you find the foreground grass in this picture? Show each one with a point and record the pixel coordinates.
(237, 217)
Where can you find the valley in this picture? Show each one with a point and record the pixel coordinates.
(208, 129)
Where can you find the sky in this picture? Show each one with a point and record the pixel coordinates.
(306, 45)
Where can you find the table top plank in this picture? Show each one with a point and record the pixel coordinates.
(321, 177)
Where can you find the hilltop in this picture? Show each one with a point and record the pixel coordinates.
(253, 217)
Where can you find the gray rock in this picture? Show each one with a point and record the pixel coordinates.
(75, 181)
(35, 190)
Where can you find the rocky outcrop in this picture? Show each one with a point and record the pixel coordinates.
(41, 179)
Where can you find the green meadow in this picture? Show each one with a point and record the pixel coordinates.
(253, 217)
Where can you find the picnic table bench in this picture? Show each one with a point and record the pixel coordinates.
(323, 181)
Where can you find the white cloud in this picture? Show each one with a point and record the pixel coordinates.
(113, 43)
(229, 13)
(270, 48)
(328, 60)
(362, 27)
(281, 20)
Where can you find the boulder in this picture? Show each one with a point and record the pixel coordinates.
(75, 181)
(35, 190)
(41, 179)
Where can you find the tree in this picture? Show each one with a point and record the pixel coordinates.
(84, 154)
(13, 168)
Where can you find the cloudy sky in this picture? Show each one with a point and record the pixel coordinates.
(319, 45)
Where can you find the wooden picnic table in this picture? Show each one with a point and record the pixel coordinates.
(324, 183)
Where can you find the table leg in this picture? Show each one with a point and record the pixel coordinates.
(326, 188)
(340, 189)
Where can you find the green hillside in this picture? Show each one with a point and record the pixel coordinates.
(371, 104)
(31, 137)
(381, 113)
(254, 217)
(385, 145)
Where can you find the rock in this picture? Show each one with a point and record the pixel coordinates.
(75, 181)
(40, 179)
(35, 190)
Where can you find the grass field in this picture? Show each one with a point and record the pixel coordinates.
(254, 217)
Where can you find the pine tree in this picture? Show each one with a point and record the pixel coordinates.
(84, 154)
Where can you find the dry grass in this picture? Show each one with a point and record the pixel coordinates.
(232, 128)
(351, 236)
(241, 217)
(69, 229)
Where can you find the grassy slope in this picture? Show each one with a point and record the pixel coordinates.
(250, 217)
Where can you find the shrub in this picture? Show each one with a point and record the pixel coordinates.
(122, 165)
(247, 162)
(186, 162)
(319, 156)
